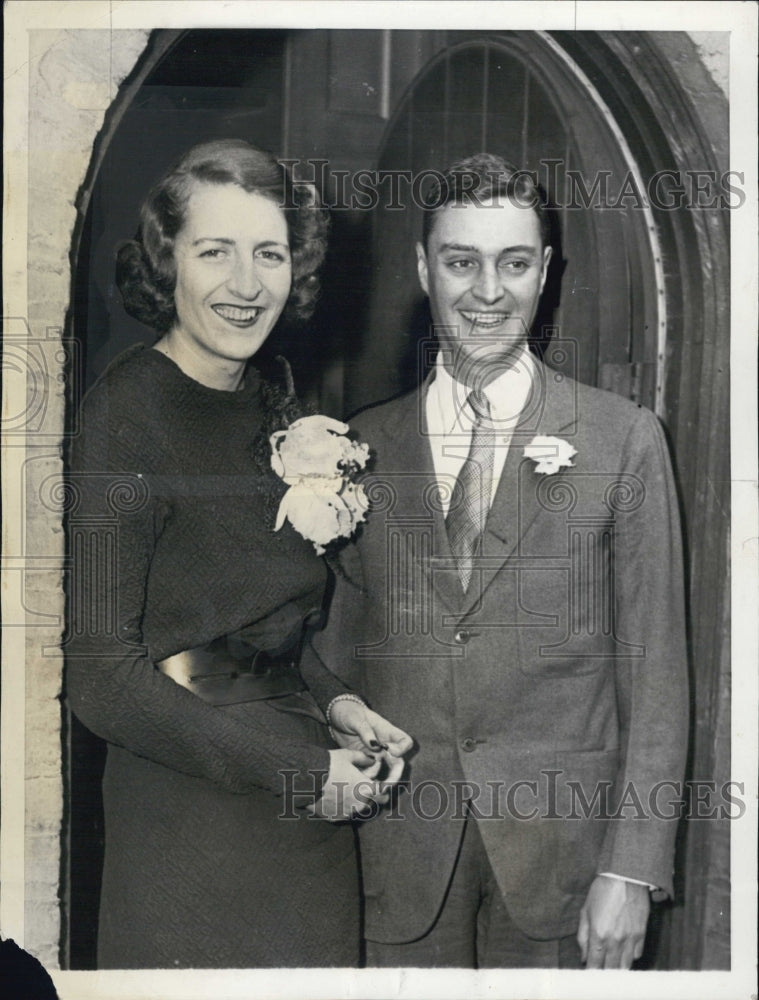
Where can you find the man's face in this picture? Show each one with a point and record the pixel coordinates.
(484, 269)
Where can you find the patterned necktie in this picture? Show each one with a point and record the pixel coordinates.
(470, 501)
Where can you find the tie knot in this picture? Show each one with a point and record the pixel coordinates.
(480, 405)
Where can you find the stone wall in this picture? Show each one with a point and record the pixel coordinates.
(73, 78)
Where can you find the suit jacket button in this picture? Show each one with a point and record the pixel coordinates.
(468, 744)
(462, 636)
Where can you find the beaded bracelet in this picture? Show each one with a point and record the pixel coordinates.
(328, 713)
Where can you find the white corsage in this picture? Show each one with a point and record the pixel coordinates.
(319, 464)
(550, 453)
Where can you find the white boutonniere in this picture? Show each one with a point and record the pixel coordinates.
(319, 464)
(550, 453)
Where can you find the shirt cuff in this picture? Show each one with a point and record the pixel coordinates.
(626, 878)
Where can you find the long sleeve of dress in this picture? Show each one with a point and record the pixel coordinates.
(112, 683)
(322, 683)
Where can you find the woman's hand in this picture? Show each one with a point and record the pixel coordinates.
(350, 788)
(356, 727)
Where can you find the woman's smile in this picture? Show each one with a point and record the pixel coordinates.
(239, 316)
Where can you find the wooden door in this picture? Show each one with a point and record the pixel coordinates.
(511, 95)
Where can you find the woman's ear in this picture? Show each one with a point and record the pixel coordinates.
(421, 267)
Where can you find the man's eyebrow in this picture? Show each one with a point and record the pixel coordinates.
(464, 248)
(457, 246)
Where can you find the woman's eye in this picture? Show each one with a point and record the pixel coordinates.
(272, 256)
(213, 253)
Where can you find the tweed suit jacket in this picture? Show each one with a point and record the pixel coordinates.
(550, 701)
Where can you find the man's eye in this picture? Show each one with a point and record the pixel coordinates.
(461, 265)
(516, 265)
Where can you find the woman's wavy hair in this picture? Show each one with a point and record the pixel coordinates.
(146, 267)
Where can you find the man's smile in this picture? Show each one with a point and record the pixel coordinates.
(484, 320)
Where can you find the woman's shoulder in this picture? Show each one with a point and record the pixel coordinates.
(132, 387)
(129, 370)
(124, 411)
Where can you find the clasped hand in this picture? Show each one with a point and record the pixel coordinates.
(368, 763)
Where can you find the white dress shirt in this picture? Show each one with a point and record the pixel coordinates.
(450, 418)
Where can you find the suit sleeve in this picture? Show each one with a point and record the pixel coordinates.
(112, 684)
(334, 644)
(652, 689)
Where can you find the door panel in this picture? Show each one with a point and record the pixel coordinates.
(601, 295)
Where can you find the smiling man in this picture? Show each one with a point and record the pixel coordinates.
(515, 603)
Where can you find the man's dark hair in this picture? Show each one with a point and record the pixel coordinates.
(479, 178)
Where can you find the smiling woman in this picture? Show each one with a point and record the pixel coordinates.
(233, 280)
(190, 616)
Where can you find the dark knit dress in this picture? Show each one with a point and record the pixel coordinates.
(207, 861)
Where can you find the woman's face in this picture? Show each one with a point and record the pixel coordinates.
(233, 274)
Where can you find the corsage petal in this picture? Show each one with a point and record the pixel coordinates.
(318, 462)
(318, 422)
(282, 511)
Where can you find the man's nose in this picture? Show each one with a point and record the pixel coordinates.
(490, 286)
(245, 280)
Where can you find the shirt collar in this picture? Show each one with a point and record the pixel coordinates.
(507, 394)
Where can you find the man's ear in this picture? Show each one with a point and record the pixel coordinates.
(421, 267)
(547, 254)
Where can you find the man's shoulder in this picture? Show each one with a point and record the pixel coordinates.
(388, 414)
(603, 405)
(606, 424)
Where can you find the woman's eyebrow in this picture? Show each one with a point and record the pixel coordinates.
(228, 242)
(213, 239)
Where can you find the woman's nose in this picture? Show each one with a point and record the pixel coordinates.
(245, 280)
(489, 286)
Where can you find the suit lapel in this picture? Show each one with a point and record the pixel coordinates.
(549, 411)
(413, 484)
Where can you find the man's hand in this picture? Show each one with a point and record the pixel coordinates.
(613, 923)
(357, 727)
